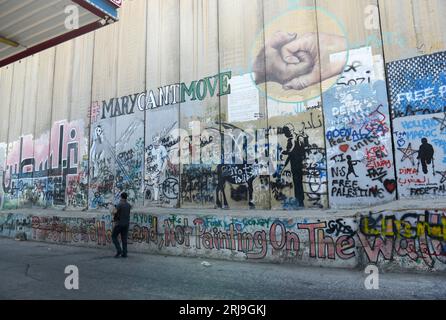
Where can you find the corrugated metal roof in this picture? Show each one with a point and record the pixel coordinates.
(25, 24)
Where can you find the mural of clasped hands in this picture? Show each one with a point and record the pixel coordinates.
(295, 61)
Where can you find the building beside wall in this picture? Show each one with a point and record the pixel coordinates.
(273, 104)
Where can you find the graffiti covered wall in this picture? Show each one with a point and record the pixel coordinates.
(42, 172)
(412, 239)
(301, 179)
(409, 240)
(418, 97)
(359, 145)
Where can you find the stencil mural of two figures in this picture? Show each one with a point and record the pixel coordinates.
(425, 158)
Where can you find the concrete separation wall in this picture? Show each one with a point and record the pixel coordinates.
(411, 240)
(191, 104)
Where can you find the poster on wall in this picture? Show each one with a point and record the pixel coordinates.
(243, 102)
(360, 68)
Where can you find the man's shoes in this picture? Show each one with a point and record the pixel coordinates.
(124, 255)
(118, 255)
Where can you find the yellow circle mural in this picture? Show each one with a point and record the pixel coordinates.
(299, 55)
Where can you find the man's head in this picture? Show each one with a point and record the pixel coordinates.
(349, 157)
(124, 196)
(424, 141)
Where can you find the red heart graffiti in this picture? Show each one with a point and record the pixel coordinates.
(344, 148)
(390, 185)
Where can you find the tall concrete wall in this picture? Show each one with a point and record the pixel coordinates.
(348, 113)
(162, 142)
(199, 43)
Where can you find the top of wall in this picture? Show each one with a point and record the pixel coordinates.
(395, 206)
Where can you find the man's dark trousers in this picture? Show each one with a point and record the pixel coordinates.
(123, 231)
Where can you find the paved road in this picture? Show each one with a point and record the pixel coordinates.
(31, 270)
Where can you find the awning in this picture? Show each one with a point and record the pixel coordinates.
(30, 26)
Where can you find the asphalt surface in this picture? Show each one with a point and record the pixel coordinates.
(32, 270)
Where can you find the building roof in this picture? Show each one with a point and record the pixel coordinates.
(30, 26)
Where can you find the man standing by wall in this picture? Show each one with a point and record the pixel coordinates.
(121, 219)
